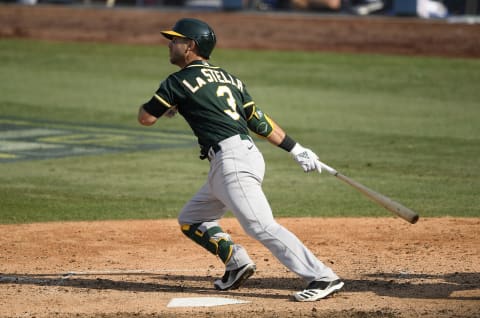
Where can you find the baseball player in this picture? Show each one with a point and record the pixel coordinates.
(220, 111)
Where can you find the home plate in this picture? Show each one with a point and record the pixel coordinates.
(203, 302)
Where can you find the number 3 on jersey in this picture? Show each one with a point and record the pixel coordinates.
(225, 91)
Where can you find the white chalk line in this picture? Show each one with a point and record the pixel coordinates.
(136, 272)
(36, 278)
(46, 278)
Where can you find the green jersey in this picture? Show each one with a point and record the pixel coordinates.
(210, 99)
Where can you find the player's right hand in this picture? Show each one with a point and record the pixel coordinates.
(306, 158)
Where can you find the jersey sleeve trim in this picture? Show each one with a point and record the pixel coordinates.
(249, 104)
(251, 112)
(161, 100)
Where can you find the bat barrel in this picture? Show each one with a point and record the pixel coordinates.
(395, 207)
(392, 206)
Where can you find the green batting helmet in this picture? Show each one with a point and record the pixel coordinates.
(196, 30)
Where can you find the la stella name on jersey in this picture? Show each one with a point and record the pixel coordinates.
(212, 76)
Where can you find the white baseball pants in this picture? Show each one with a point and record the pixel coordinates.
(235, 184)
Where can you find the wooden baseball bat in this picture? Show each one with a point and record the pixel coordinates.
(393, 206)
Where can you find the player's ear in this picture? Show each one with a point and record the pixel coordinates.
(192, 46)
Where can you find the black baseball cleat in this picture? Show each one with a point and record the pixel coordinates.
(318, 289)
(234, 278)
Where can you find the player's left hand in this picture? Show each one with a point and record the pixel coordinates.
(306, 158)
(171, 112)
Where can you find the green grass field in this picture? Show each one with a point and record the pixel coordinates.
(408, 127)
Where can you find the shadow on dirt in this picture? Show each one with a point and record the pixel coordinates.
(420, 286)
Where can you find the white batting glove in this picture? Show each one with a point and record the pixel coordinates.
(306, 158)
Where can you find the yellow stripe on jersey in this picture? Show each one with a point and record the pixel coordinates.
(203, 65)
(252, 113)
(249, 104)
(161, 100)
(249, 112)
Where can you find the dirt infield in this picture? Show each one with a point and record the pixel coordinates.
(247, 30)
(134, 268)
